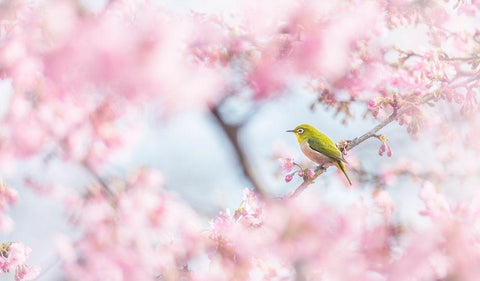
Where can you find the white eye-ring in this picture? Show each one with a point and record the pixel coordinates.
(300, 131)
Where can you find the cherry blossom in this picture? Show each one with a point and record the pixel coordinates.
(13, 257)
(82, 82)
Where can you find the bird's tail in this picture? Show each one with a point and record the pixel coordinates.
(341, 167)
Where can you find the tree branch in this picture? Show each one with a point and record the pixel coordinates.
(231, 131)
(306, 182)
(459, 58)
(372, 132)
(390, 119)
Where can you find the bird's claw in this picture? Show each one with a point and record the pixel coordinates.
(320, 168)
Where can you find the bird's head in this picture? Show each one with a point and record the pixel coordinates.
(303, 132)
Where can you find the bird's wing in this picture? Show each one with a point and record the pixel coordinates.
(327, 148)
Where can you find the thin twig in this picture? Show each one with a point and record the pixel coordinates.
(306, 182)
(459, 58)
(372, 132)
(390, 119)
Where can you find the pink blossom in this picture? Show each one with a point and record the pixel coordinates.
(13, 257)
(6, 224)
(372, 105)
(25, 272)
(435, 203)
(382, 149)
(385, 147)
(384, 202)
(80, 81)
(440, 264)
(287, 164)
(8, 197)
(389, 177)
(251, 208)
(18, 254)
(140, 238)
(27, 142)
(250, 201)
(65, 248)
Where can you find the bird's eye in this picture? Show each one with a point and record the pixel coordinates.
(300, 131)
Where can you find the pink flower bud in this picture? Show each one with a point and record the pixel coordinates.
(382, 149)
(300, 174)
(288, 177)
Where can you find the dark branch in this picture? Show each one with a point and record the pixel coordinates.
(231, 131)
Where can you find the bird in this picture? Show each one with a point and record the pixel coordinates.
(319, 148)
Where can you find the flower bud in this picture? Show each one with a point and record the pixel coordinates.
(288, 177)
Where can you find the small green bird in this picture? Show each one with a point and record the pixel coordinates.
(319, 148)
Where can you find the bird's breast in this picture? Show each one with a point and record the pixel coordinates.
(316, 156)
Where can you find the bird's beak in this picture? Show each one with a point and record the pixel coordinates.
(291, 131)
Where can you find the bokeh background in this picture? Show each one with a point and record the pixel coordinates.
(200, 164)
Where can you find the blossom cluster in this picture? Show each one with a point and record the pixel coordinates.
(265, 239)
(65, 71)
(270, 242)
(13, 257)
(141, 233)
(288, 165)
(81, 79)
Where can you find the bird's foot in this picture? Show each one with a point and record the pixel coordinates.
(320, 168)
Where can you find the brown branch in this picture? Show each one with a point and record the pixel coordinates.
(306, 182)
(299, 272)
(372, 132)
(300, 189)
(231, 131)
(459, 58)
